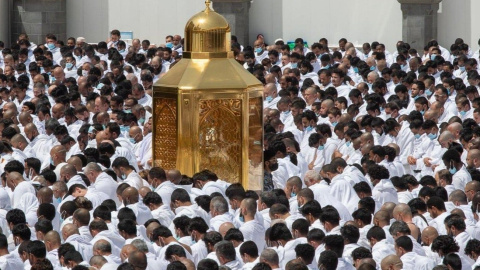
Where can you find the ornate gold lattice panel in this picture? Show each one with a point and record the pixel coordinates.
(165, 121)
(220, 137)
(255, 144)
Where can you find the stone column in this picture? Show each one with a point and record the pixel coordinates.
(237, 14)
(419, 22)
(38, 18)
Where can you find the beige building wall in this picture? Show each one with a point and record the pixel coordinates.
(152, 19)
(358, 21)
(88, 19)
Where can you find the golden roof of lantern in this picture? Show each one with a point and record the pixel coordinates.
(207, 31)
(207, 38)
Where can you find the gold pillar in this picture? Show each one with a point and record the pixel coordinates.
(207, 110)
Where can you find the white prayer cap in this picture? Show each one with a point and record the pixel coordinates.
(278, 39)
(80, 39)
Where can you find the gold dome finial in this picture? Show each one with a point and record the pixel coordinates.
(207, 32)
(207, 3)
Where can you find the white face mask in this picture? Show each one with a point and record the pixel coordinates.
(84, 73)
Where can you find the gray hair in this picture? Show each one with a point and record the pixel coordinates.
(399, 227)
(92, 166)
(219, 204)
(269, 255)
(226, 249)
(140, 245)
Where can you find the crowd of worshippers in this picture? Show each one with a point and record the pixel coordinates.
(371, 161)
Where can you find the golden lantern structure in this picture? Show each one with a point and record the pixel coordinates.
(207, 109)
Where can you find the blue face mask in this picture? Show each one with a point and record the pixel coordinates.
(124, 128)
(286, 112)
(269, 98)
(432, 136)
(416, 97)
(432, 57)
(100, 85)
(409, 92)
(369, 85)
(132, 140)
(124, 176)
(242, 219)
(348, 143)
(127, 111)
(334, 124)
(59, 199)
(258, 50)
(141, 120)
(51, 46)
(69, 65)
(462, 113)
(169, 45)
(417, 136)
(321, 147)
(293, 194)
(372, 68)
(309, 128)
(402, 66)
(448, 91)
(294, 65)
(326, 67)
(51, 162)
(428, 92)
(462, 69)
(355, 69)
(452, 170)
(121, 51)
(422, 112)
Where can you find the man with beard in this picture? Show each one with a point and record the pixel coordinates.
(473, 159)
(270, 165)
(157, 68)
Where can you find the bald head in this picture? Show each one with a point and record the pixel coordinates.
(69, 229)
(382, 216)
(25, 118)
(402, 209)
(431, 115)
(102, 247)
(389, 206)
(391, 262)
(30, 128)
(396, 147)
(223, 229)
(458, 197)
(455, 129)
(82, 216)
(45, 195)
(52, 240)
(130, 196)
(60, 152)
(143, 191)
(127, 250)
(76, 162)
(19, 141)
(101, 136)
(446, 136)
(139, 259)
(10, 106)
(151, 227)
(16, 177)
(69, 170)
(174, 176)
(430, 232)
